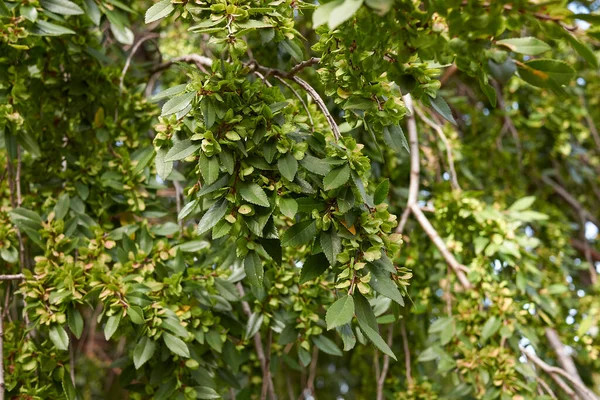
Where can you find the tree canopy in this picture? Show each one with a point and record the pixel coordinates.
(352, 199)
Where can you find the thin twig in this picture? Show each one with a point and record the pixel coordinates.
(267, 367)
(546, 387)
(386, 364)
(304, 64)
(440, 132)
(508, 123)
(590, 123)
(312, 372)
(2, 384)
(562, 192)
(134, 49)
(413, 206)
(72, 359)
(407, 362)
(312, 124)
(260, 352)
(188, 58)
(313, 93)
(12, 277)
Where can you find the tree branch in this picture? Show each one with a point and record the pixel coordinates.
(260, 352)
(11, 277)
(386, 364)
(312, 124)
(440, 132)
(134, 49)
(312, 372)
(2, 384)
(570, 199)
(413, 206)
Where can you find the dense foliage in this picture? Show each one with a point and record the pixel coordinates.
(243, 199)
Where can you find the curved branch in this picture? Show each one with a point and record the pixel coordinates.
(295, 92)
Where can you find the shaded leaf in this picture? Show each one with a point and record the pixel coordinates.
(213, 215)
(327, 345)
(143, 351)
(313, 267)
(337, 177)
(339, 313)
(299, 234)
(176, 345)
(288, 166)
(254, 269)
(59, 337)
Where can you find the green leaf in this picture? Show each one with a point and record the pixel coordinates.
(313, 267)
(522, 204)
(394, 137)
(345, 200)
(45, 28)
(288, 166)
(136, 315)
(584, 50)
(209, 168)
(337, 177)
(26, 219)
(340, 312)
(59, 337)
(193, 246)
(178, 103)
(172, 91)
(331, 244)
(377, 340)
(92, 11)
(181, 150)
(111, 325)
(382, 283)
(327, 345)
(63, 7)
(323, 12)
(347, 336)
(206, 393)
(315, 165)
(121, 32)
(187, 210)
(253, 193)
(439, 104)
(143, 351)
(546, 73)
(173, 324)
(254, 324)
(213, 215)
(364, 312)
(254, 269)
(68, 388)
(176, 345)
(29, 13)
(343, 13)
(62, 207)
(75, 321)
(525, 45)
(206, 189)
(299, 234)
(288, 206)
(159, 11)
(381, 192)
(163, 168)
(254, 24)
(490, 327)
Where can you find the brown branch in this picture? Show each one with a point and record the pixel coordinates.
(312, 124)
(304, 64)
(544, 385)
(197, 59)
(590, 123)
(313, 93)
(508, 123)
(72, 359)
(581, 246)
(582, 390)
(448, 73)
(260, 352)
(2, 384)
(12, 277)
(562, 192)
(134, 49)
(386, 364)
(413, 207)
(312, 372)
(440, 132)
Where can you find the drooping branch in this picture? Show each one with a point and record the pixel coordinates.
(313, 93)
(562, 192)
(134, 49)
(412, 205)
(260, 352)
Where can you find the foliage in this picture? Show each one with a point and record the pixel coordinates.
(200, 199)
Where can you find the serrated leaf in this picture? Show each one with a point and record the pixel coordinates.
(584, 50)
(143, 351)
(315, 165)
(525, 45)
(159, 11)
(59, 337)
(288, 206)
(254, 269)
(546, 73)
(111, 325)
(439, 104)
(347, 336)
(75, 321)
(176, 345)
(383, 284)
(339, 313)
(220, 183)
(313, 267)
(337, 177)
(173, 324)
(178, 103)
(209, 168)
(187, 209)
(288, 166)
(394, 137)
(172, 91)
(364, 312)
(343, 13)
(377, 340)
(63, 7)
(327, 345)
(254, 24)
(213, 215)
(45, 28)
(163, 168)
(254, 324)
(181, 150)
(26, 219)
(299, 234)
(331, 244)
(253, 193)
(381, 192)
